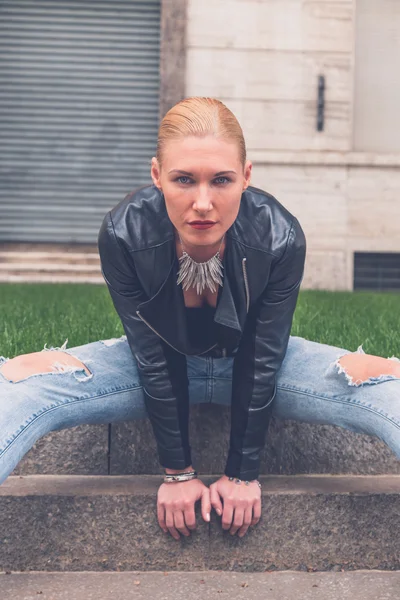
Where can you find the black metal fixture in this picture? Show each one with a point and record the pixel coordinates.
(377, 271)
(321, 103)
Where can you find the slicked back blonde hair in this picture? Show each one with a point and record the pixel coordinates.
(200, 116)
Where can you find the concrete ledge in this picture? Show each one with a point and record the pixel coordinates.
(139, 485)
(99, 523)
(292, 448)
(137, 585)
(80, 450)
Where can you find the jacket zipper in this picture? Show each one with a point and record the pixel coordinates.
(246, 284)
(266, 405)
(160, 336)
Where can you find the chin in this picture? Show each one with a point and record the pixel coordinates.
(204, 237)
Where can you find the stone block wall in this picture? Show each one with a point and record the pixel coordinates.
(262, 58)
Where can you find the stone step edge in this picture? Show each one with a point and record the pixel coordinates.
(125, 485)
(33, 254)
(362, 584)
(57, 258)
(51, 267)
(51, 278)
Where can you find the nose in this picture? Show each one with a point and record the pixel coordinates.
(203, 201)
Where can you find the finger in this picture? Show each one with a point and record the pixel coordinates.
(190, 517)
(169, 521)
(179, 523)
(205, 504)
(237, 520)
(246, 521)
(227, 515)
(256, 512)
(161, 517)
(215, 499)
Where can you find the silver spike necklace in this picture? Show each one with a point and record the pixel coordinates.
(200, 275)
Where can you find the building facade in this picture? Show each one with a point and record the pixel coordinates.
(315, 85)
(264, 59)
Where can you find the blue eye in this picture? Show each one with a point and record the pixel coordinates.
(183, 179)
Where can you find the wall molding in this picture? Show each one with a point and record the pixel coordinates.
(341, 159)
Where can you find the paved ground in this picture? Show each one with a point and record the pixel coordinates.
(154, 585)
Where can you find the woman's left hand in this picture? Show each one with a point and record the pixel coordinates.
(241, 504)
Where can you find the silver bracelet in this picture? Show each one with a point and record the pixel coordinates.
(171, 477)
(238, 481)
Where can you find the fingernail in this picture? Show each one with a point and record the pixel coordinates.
(218, 512)
(208, 516)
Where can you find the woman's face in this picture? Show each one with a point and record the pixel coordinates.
(202, 179)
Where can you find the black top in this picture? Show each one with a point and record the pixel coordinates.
(201, 326)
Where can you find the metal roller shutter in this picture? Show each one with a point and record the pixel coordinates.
(79, 101)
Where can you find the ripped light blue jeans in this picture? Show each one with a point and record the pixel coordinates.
(311, 387)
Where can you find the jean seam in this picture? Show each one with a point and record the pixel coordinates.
(209, 380)
(338, 401)
(52, 408)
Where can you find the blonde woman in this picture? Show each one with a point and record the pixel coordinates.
(204, 270)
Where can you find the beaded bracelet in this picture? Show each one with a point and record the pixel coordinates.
(238, 481)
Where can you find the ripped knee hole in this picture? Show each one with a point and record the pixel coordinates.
(359, 368)
(22, 366)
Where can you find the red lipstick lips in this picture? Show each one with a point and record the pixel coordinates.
(202, 224)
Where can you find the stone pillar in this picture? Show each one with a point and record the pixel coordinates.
(172, 53)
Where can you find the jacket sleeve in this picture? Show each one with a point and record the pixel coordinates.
(162, 370)
(261, 351)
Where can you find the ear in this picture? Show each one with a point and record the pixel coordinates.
(247, 174)
(155, 172)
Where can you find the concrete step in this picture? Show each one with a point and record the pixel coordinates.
(32, 257)
(46, 267)
(141, 585)
(54, 277)
(292, 448)
(26, 247)
(51, 263)
(103, 523)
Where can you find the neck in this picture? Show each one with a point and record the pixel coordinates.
(200, 253)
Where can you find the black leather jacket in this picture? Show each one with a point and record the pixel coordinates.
(263, 268)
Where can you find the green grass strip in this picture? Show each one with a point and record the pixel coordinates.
(32, 315)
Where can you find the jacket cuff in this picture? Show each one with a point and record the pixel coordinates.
(175, 459)
(242, 466)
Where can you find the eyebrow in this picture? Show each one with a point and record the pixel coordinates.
(191, 174)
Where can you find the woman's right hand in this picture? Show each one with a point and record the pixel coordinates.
(175, 506)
